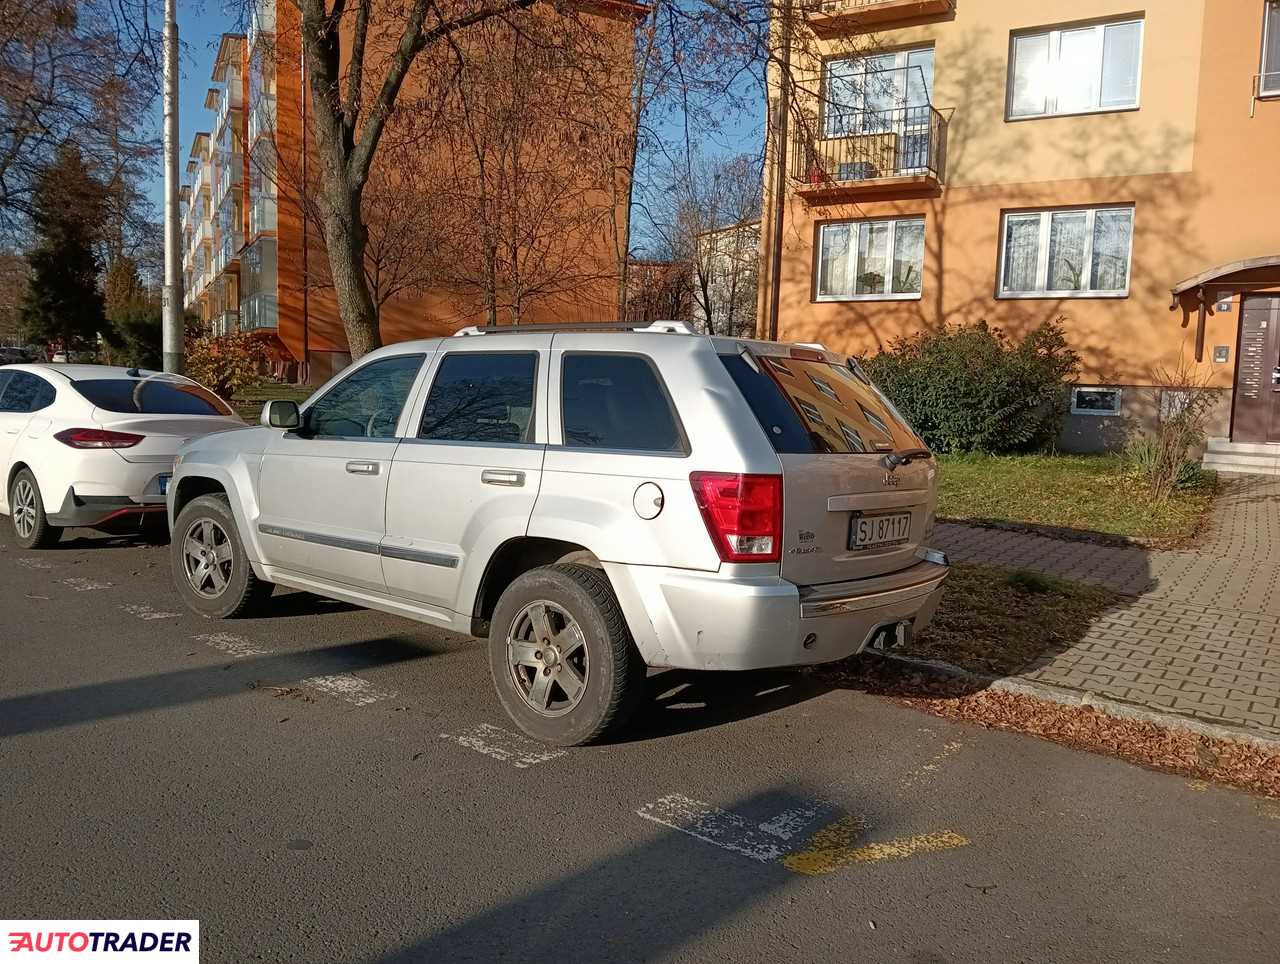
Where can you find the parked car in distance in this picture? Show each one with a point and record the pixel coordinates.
(89, 445)
(591, 499)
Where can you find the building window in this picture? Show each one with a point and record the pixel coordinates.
(1269, 75)
(1089, 400)
(1078, 252)
(1075, 70)
(878, 93)
(871, 260)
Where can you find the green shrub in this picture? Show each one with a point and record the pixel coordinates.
(1166, 459)
(972, 389)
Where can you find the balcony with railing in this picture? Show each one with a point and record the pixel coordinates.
(871, 153)
(262, 20)
(262, 214)
(832, 17)
(225, 322)
(259, 312)
(230, 174)
(230, 101)
(262, 117)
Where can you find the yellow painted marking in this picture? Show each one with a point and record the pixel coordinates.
(834, 847)
(1201, 785)
(923, 773)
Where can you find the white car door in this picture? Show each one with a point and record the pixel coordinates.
(465, 479)
(322, 489)
(22, 394)
(11, 425)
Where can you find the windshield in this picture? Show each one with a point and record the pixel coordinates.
(150, 396)
(815, 406)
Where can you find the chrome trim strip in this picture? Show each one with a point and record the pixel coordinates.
(334, 542)
(857, 604)
(359, 545)
(419, 555)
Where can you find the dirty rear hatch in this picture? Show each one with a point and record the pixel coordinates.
(849, 512)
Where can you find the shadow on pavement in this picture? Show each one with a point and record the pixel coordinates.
(682, 701)
(644, 903)
(99, 701)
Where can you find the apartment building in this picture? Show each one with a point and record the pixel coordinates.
(254, 263)
(1112, 166)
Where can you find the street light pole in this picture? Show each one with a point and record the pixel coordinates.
(171, 338)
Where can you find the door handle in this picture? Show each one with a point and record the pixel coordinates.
(502, 477)
(363, 468)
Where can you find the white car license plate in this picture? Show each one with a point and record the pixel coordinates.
(869, 531)
(164, 484)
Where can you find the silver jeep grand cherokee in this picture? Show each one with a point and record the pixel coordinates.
(593, 499)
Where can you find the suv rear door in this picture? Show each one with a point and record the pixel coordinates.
(846, 513)
(465, 478)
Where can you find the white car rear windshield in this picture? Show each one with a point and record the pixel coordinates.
(813, 406)
(150, 396)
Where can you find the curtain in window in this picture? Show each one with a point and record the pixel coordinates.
(1077, 73)
(1066, 251)
(873, 256)
(833, 271)
(908, 256)
(1021, 252)
(1121, 50)
(1030, 75)
(1111, 231)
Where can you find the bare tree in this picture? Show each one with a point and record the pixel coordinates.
(72, 71)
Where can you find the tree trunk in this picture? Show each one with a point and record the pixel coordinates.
(345, 240)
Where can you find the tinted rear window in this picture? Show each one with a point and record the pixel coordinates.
(482, 397)
(150, 396)
(616, 402)
(818, 407)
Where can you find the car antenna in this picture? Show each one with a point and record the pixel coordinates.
(133, 372)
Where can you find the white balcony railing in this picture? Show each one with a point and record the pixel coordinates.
(262, 117)
(262, 214)
(262, 20)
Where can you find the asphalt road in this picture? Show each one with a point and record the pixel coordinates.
(329, 784)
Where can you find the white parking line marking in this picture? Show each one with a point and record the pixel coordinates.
(763, 842)
(85, 585)
(29, 563)
(143, 611)
(237, 647)
(493, 741)
(350, 689)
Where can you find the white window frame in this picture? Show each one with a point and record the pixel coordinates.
(856, 66)
(1270, 22)
(1042, 253)
(857, 224)
(1112, 413)
(1055, 47)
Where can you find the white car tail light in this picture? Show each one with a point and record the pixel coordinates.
(97, 438)
(743, 514)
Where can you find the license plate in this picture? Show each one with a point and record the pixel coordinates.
(164, 484)
(869, 531)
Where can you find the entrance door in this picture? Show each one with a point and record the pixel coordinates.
(1257, 399)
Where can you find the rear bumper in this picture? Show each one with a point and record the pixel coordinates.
(704, 620)
(90, 511)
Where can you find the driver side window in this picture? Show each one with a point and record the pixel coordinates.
(367, 403)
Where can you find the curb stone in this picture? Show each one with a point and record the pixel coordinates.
(1083, 698)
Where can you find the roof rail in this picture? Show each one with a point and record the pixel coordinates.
(667, 327)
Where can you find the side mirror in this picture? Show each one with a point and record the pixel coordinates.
(281, 413)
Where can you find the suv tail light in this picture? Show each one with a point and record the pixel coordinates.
(97, 438)
(743, 514)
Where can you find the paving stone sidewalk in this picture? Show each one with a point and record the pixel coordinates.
(1201, 636)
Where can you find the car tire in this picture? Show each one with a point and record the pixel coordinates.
(210, 567)
(31, 526)
(588, 680)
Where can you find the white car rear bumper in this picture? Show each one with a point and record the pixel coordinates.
(705, 620)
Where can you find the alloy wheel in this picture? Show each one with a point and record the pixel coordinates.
(24, 508)
(547, 656)
(207, 558)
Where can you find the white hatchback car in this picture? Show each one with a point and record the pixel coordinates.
(89, 445)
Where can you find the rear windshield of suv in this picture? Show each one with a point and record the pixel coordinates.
(811, 406)
(150, 396)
